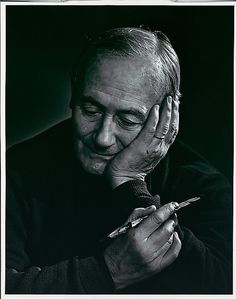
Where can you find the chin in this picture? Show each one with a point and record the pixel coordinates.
(91, 162)
(94, 167)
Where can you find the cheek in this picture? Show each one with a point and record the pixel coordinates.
(81, 125)
(126, 137)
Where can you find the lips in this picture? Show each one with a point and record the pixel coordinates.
(96, 155)
(100, 154)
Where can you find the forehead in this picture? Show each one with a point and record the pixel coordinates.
(127, 79)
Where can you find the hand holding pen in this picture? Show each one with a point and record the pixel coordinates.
(124, 228)
(145, 249)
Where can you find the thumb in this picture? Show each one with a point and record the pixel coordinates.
(140, 212)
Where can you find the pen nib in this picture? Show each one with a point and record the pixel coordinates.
(188, 202)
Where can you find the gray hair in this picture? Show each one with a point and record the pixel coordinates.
(134, 42)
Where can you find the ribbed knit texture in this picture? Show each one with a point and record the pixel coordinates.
(57, 216)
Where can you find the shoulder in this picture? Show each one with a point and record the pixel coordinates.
(183, 158)
(190, 174)
(46, 147)
(41, 165)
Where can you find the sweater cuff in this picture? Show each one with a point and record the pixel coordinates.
(134, 194)
(134, 188)
(94, 275)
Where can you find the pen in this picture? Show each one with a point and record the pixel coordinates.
(123, 229)
(187, 202)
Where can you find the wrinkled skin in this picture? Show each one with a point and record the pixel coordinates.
(149, 147)
(146, 249)
(121, 134)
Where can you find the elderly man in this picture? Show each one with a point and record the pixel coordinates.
(110, 164)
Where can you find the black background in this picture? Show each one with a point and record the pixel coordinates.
(43, 43)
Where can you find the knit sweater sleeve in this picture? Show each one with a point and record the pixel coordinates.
(204, 265)
(205, 262)
(75, 275)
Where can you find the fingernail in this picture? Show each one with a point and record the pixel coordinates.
(169, 99)
(170, 239)
(175, 205)
(176, 235)
(157, 108)
(152, 207)
(174, 224)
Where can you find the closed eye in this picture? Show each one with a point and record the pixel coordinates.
(127, 123)
(90, 110)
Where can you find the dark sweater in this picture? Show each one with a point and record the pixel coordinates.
(57, 216)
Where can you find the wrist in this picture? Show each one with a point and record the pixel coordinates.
(115, 181)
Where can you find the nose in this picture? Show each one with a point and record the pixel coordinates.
(104, 136)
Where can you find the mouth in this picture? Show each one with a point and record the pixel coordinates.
(99, 154)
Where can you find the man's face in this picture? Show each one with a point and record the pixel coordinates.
(111, 109)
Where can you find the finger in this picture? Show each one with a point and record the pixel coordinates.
(140, 212)
(155, 264)
(175, 218)
(149, 129)
(164, 248)
(166, 255)
(164, 123)
(174, 123)
(160, 236)
(174, 250)
(155, 220)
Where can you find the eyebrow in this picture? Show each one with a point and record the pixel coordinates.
(137, 113)
(92, 101)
